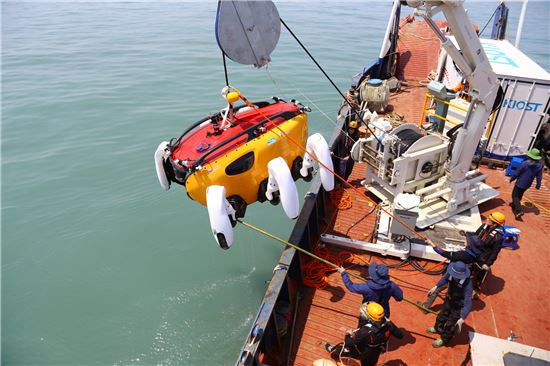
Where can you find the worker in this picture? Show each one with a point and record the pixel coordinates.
(366, 342)
(457, 304)
(378, 288)
(542, 142)
(491, 235)
(341, 149)
(467, 256)
(527, 172)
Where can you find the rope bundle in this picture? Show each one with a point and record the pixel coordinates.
(341, 199)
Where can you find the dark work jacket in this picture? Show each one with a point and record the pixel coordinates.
(459, 296)
(372, 335)
(370, 293)
(491, 239)
(342, 145)
(467, 255)
(527, 172)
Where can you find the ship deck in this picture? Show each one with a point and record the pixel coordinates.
(514, 295)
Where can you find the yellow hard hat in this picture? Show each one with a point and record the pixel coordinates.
(232, 97)
(372, 310)
(497, 218)
(353, 124)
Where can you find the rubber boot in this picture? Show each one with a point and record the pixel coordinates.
(438, 343)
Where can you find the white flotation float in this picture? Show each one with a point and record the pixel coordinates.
(317, 145)
(161, 154)
(280, 179)
(219, 211)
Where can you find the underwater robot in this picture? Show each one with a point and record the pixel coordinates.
(243, 154)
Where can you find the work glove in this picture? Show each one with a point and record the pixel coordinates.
(485, 267)
(438, 250)
(341, 269)
(432, 290)
(459, 323)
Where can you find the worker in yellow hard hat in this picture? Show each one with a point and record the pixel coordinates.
(366, 342)
(491, 235)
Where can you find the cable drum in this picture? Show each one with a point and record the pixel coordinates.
(406, 139)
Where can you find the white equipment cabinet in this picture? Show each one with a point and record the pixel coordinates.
(526, 100)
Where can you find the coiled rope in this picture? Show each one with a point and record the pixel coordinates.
(341, 199)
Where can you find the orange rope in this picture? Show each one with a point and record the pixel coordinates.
(318, 277)
(248, 103)
(315, 273)
(341, 199)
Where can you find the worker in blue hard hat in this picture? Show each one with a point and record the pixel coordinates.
(457, 304)
(481, 251)
(524, 176)
(378, 288)
(469, 255)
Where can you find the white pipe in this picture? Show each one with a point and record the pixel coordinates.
(520, 24)
(437, 194)
(427, 189)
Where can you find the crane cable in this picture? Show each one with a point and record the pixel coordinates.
(250, 226)
(330, 80)
(225, 70)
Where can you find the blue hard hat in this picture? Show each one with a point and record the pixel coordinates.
(458, 270)
(379, 274)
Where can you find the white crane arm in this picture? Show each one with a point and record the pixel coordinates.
(475, 66)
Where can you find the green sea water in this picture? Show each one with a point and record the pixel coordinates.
(99, 265)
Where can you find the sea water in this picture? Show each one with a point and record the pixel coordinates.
(99, 265)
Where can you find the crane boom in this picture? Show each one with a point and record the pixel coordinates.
(474, 64)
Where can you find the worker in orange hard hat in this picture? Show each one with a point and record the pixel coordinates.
(366, 342)
(490, 235)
